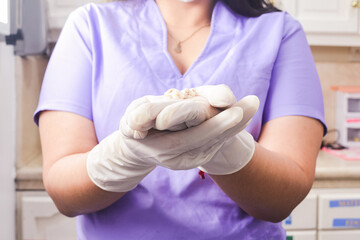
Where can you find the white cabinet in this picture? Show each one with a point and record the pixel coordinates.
(59, 10)
(348, 115)
(326, 22)
(326, 214)
(339, 235)
(40, 219)
(301, 235)
(324, 16)
(304, 216)
(339, 211)
(57, 13)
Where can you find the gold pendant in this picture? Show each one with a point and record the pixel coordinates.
(178, 48)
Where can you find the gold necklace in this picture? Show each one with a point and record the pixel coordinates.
(178, 49)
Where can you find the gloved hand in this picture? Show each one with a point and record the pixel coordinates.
(176, 110)
(239, 149)
(141, 114)
(198, 105)
(195, 108)
(118, 163)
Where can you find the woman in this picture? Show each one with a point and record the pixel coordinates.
(111, 54)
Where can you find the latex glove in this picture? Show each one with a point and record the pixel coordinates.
(218, 96)
(238, 150)
(140, 115)
(176, 110)
(119, 163)
(198, 105)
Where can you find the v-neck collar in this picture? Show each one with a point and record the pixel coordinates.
(153, 38)
(165, 43)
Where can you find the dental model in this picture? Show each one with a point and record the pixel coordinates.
(190, 112)
(183, 94)
(175, 110)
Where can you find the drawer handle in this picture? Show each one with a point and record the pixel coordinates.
(355, 4)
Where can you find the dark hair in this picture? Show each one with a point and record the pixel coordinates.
(250, 8)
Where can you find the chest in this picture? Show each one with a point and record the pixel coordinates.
(187, 47)
(144, 64)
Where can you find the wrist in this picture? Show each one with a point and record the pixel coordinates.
(111, 170)
(235, 154)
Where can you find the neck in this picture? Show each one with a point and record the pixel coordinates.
(186, 15)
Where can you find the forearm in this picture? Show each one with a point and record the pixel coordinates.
(71, 189)
(269, 187)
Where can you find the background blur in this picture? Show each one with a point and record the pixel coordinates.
(28, 32)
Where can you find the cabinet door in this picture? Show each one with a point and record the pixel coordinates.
(59, 10)
(339, 235)
(339, 211)
(323, 16)
(40, 219)
(301, 235)
(304, 215)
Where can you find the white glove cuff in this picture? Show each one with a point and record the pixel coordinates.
(109, 170)
(233, 155)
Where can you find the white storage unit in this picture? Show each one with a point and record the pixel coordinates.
(40, 219)
(339, 235)
(339, 211)
(301, 235)
(57, 13)
(326, 22)
(348, 115)
(325, 16)
(325, 213)
(59, 10)
(304, 216)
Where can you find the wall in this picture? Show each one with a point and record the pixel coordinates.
(335, 67)
(30, 71)
(7, 142)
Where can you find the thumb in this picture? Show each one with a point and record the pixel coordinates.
(249, 104)
(209, 132)
(219, 96)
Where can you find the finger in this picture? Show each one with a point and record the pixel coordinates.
(137, 102)
(219, 96)
(124, 126)
(250, 104)
(209, 132)
(188, 112)
(142, 117)
(178, 127)
(193, 158)
(129, 132)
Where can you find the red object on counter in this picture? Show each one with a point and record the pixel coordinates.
(353, 120)
(347, 89)
(349, 154)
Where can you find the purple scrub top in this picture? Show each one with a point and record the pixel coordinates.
(110, 54)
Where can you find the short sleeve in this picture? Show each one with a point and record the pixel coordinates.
(68, 77)
(294, 86)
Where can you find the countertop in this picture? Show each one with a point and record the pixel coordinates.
(334, 172)
(331, 172)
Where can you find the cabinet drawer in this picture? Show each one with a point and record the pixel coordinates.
(339, 235)
(339, 211)
(301, 235)
(304, 215)
(38, 218)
